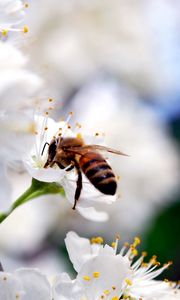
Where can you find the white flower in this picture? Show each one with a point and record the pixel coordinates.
(105, 274)
(24, 284)
(18, 84)
(11, 14)
(34, 161)
(101, 37)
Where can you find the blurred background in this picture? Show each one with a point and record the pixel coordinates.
(116, 65)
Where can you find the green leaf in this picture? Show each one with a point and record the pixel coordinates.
(37, 189)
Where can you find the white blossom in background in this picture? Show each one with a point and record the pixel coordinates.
(11, 15)
(18, 87)
(105, 273)
(149, 176)
(132, 40)
(35, 161)
(24, 284)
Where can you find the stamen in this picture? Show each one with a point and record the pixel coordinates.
(25, 29)
(115, 298)
(87, 278)
(26, 5)
(106, 292)
(96, 274)
(97, 240)
(4, 32)
(128, 281)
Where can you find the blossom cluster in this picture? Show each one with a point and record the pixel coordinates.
(102, 273)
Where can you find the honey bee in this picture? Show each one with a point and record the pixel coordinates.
(72, 152)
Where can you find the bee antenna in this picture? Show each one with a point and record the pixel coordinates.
(44, 148)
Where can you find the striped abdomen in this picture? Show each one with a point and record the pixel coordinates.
(98, 172)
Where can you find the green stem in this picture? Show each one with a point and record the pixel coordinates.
(37, 189)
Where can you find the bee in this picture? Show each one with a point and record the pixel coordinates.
(72, 152)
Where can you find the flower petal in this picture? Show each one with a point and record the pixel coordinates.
(10, 287)
(92, 214)
(46, 175)
(111, 270)
(34, 284)
(79, 249)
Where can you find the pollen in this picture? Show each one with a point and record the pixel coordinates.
(26, 5)
(115, 298)
(96, 274)
(113, 287)
(97, 240)
(87, 278)
(106, 292)
(25, 29)
(128, 281)
(50, 99)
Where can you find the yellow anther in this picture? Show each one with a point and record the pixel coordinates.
(46, 128)
(50, 99)
(71, 113)
(126, 244)
(113, 287)
(115, 298)
(96, 274)
(17, 296)
(113, 244)
(4, 32)
(118, 177)
(137, 241)
(145, 265)
(26, 5)
(102, 296)
(144, 254)
(46, 113)
(97, 240)
(135, 252)
(128, 281)
(78, 125)
(25, 29)
(106, 292)
(118, 237)
(87, 278)
(79, 136)
(96, 134)
(166, 280)
(69, 126)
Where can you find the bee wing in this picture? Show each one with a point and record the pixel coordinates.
(83, 149)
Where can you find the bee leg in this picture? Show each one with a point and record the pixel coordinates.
(78, 187)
